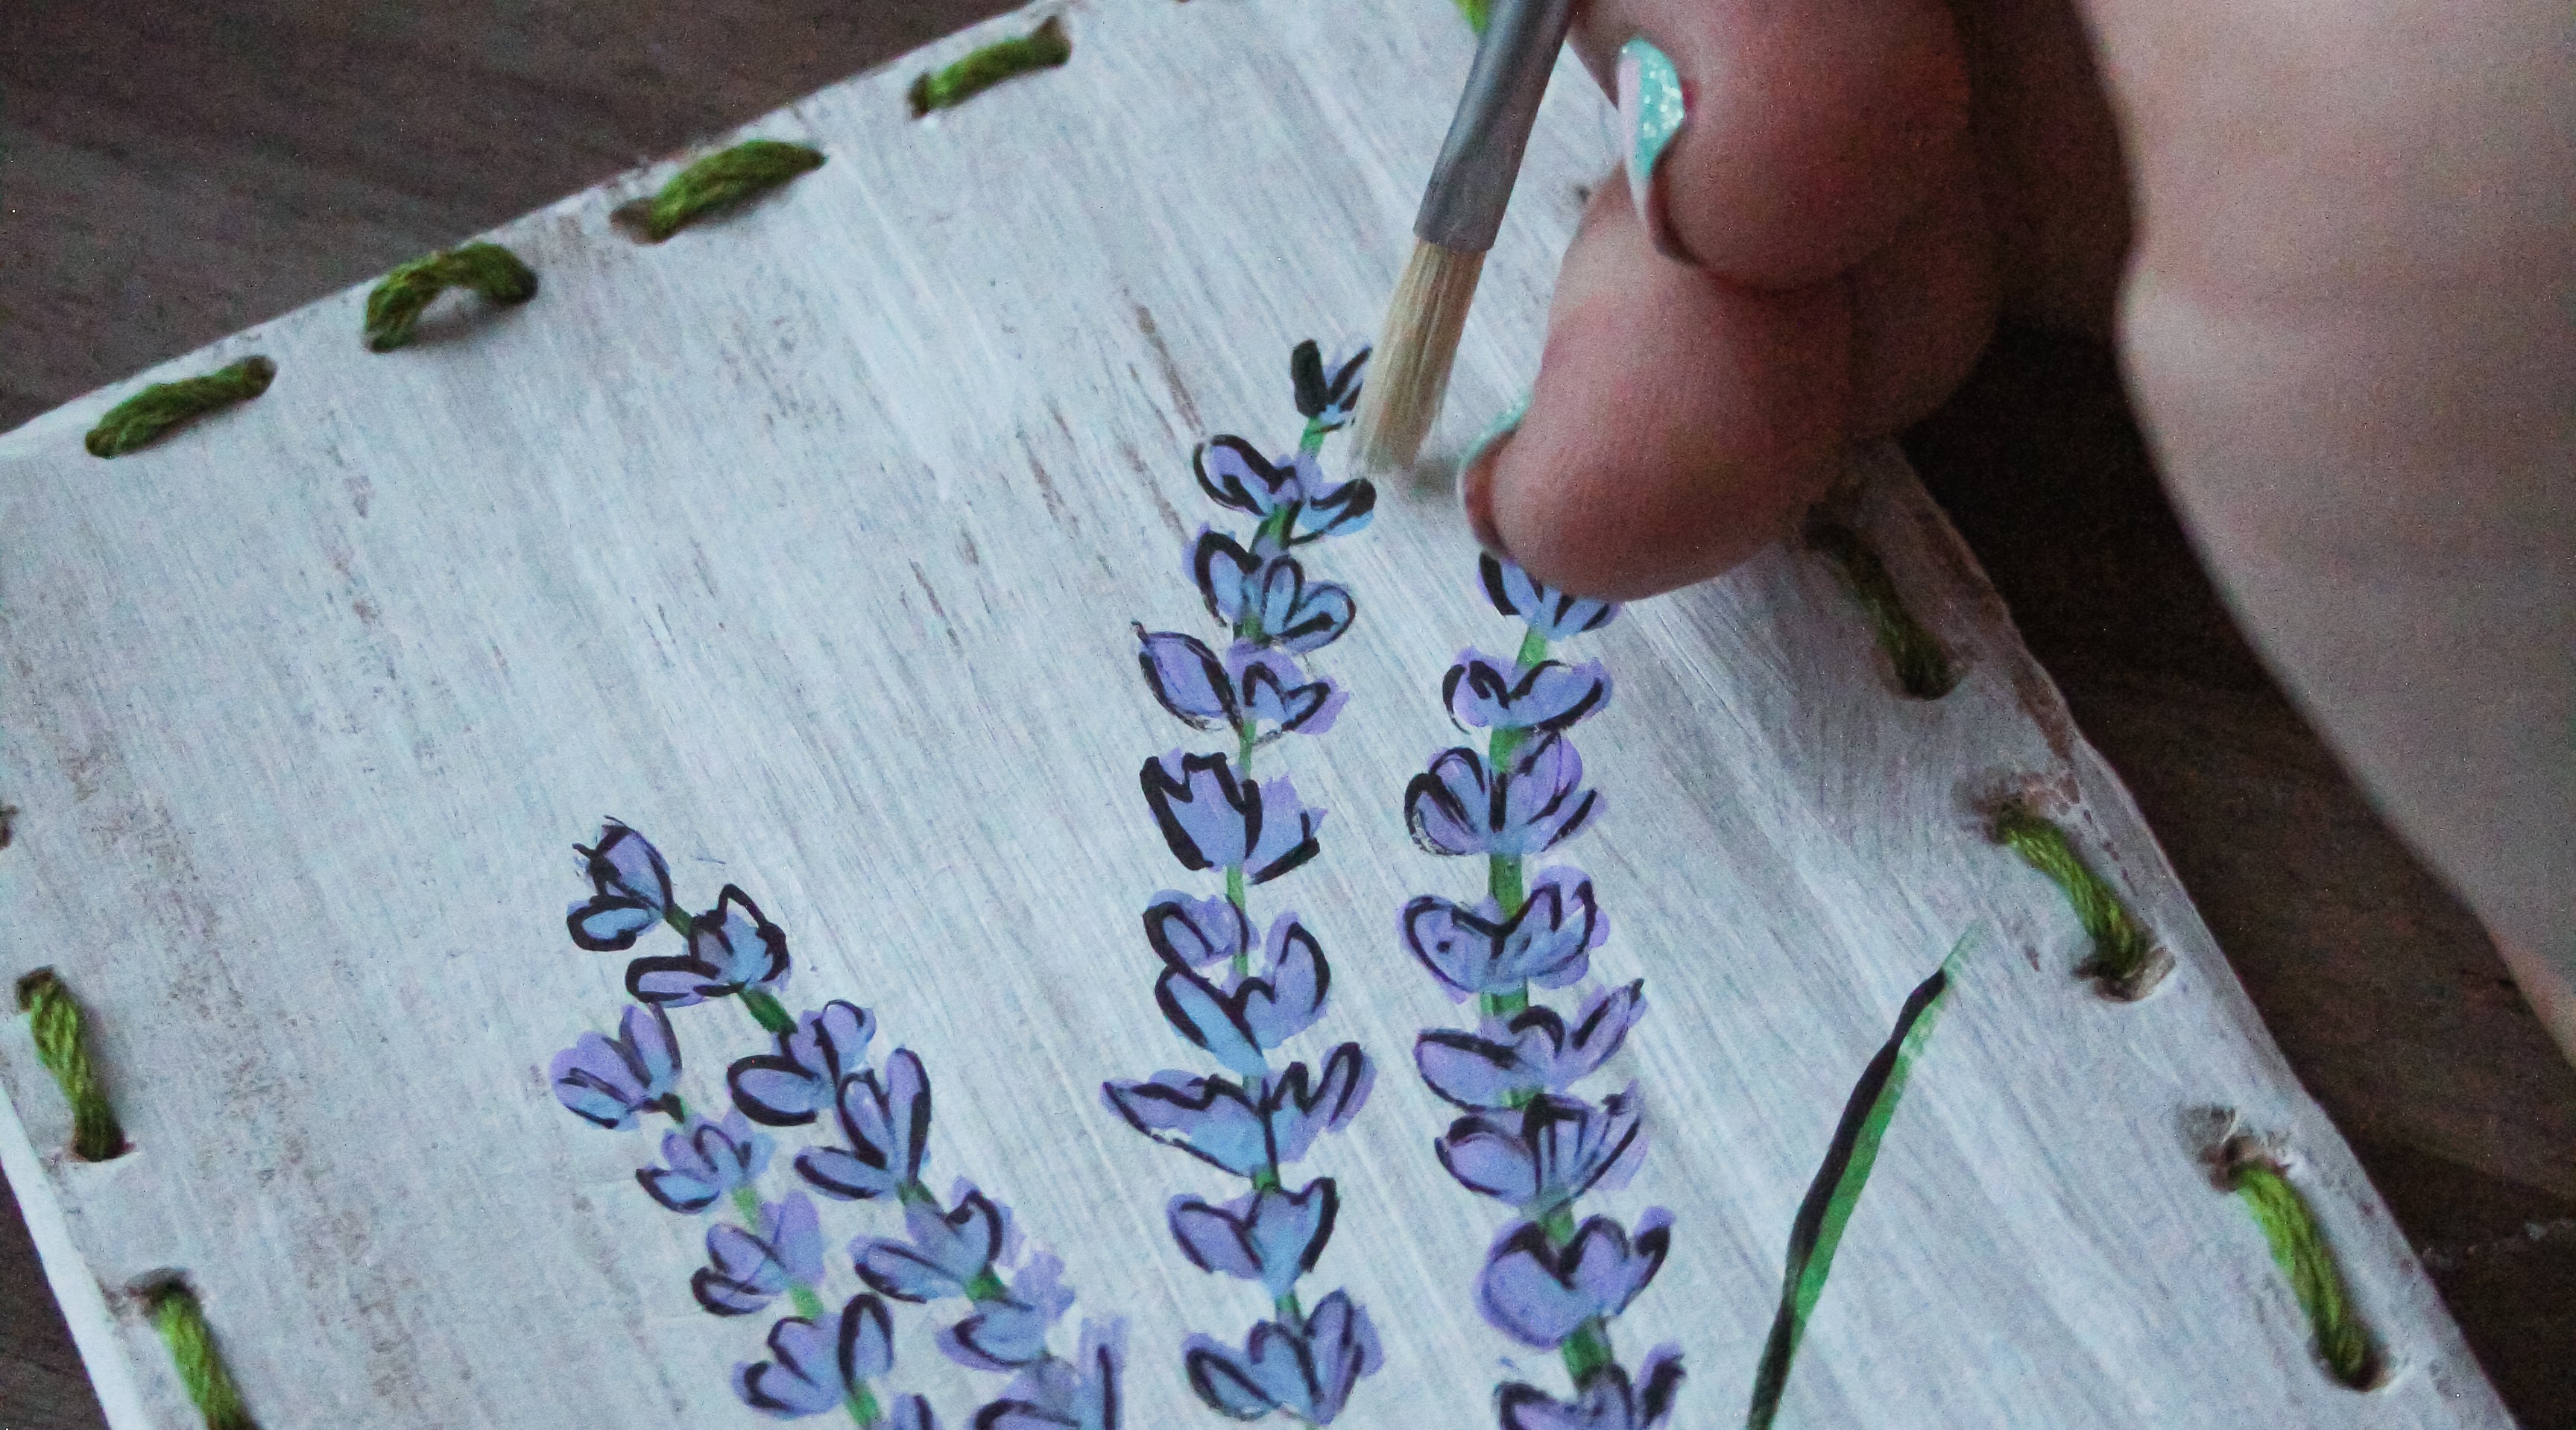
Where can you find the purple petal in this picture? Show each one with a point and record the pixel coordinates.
(1472, 1071)
(1195, 932)
(1209, 1118)
(632, 888)
(1269, 1235)
(1288, 1000)
(1298, 1114)
(1554, 614)
(1344, 1347)
(1489, 1157)
(1540, 801)
(1208, 818)
(744, 948)
(1286, 828)
(1233, 474)
(1271, 688)
(1486, 693)
(1222, 569)
(1446, 805)
(1198, 1012)
(1187, 678)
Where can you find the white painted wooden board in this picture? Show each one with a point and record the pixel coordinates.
(807, 543)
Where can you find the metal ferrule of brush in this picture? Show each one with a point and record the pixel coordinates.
(1471, 184)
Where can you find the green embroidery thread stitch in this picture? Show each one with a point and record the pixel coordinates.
(1922, 669)
(2299, 1247)
(716, 183)
(62, 1046)
(182, 1324)
(140, 419)
(394, 308)
(1042, 48)
(2127, 962)
(1478, 13)
(1817, 1232)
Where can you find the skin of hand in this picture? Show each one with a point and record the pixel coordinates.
(2335, 241)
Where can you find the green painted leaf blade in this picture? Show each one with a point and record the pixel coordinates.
(1817, 1232)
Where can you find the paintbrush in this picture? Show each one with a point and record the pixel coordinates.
(1461, 211)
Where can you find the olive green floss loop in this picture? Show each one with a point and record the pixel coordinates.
(140, 419)
(62, 1045)
(2126, 960)
(716, 183)
(1042, 48)
(394, 307)
(182, 1324)
(1922, 669)
(2299, 1246)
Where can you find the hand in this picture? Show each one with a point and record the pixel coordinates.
(2348, 319)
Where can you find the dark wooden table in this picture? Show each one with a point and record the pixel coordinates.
(175, 171)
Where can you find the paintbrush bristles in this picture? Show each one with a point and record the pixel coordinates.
(1410, 373)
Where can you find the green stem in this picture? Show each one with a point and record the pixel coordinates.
(1312, 440)
(1234, 894)
(987, 1287)
(767, 1011)
(1288, 1311)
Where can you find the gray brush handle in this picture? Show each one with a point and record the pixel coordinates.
(1472, 182)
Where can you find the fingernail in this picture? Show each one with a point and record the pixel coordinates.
(1476, 479)
(1651, 108)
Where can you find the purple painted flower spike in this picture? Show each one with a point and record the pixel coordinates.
(946, 1251)
(731, 947)
(1211, 1118)
(609, 1081)
(1187, 678)
(818, 1363)
(1307, 1373)
(792, 1086)
(1556, 1150)
(886, 1118)
(1195, 932)
(1080, 1394)
(1607, 1401)
(630, 890)
(1538, 1052)
(706, 1161)
(1299, 1114)
(1537, 1292)
(1212, 820)
(1548, 942)
(1485, 693)
(1554, 614)
(747, 1266)
(1269, 1235)
(1008, 1333)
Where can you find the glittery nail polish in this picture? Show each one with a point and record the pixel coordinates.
(1651, 109)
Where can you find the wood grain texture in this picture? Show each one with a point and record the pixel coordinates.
(2469, 1142)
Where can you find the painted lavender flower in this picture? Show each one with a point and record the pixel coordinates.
(1253, 1119)
(1528, 1139)
(873, 1138)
